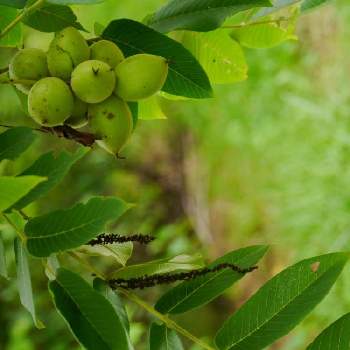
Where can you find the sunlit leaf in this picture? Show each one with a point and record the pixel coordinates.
(150, 109)
(280, 304)
(178, 263)
(89, 314)
(14, 188)
(24, 283)
(121, 252)
(261, 36)
(221, 57)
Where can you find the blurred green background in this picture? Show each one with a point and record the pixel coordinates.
(266, 161)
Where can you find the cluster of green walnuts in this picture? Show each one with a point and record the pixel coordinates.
(78, 85)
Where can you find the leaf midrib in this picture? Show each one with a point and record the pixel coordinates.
(280, 310)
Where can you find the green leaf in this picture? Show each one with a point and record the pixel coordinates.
(24, 283)
(178, 263)
(14, 188)
(281, 303)
(67, 229)
(90, 316)
(134, 108)
(13, 142)
(52, 18)
(310, 4)
(186, 77)
(53, 168)
(221, 57)
(102, 287)
(277, 6)
(200, 291)
(75, 2)
(3, 268)
(13, 3)
(14, 37)
(261, 36)
(150, 109)
(335, 337)
(120, 252)
(199, 15)
(51, 267)
(163, 338)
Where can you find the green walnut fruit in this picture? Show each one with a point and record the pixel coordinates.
(111, 121)
(28, 64)
(79, 117)
(108, 52)
(50, 102)
(66, 51)
(140, 76)
(93, 81)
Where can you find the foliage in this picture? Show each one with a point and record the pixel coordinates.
(205, 52)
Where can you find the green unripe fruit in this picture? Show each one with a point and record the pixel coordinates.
(66, 51)
(28, 64)
(50, 102)
(108, 52)
(140, 76)
(111, 121)
(93, 81)
(79, 117)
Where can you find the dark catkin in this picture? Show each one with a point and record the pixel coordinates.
(105, 239)
(153, 280)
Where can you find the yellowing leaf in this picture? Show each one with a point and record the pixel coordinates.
(222, 59)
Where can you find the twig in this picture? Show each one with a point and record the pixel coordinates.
(25, 12)
(156, 279)
(166, 320)
(65, 131)
(104, 239)
(21, 234)
(277, 21)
